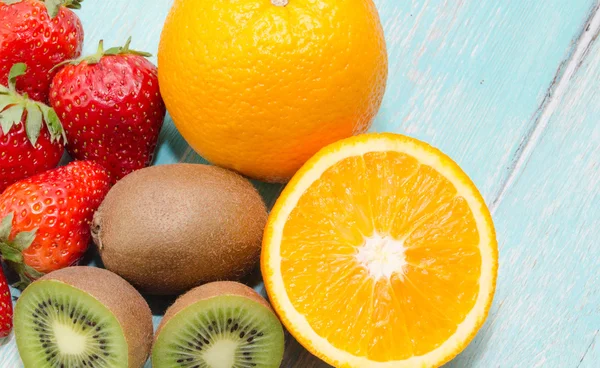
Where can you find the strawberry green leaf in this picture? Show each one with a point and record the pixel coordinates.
(6, 226)
(26, 274)
(10, 254)
(33, 125)
(24, 239)
(10, 117)
(4, 103)
(5, 125)
(22, 283)
(16, 71)
(53, 123)
(35, 274)
(94, 59)
(37, 112)
(72, 4)
(53, 7)
(126, 50)
(7, 99)
(10, 2)
(113, 51)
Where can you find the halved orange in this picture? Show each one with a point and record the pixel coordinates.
(381, 252)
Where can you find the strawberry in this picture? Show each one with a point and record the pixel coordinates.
(31, 135)
(6, 309)
(46, 218)
(40, 34)
(111, 108)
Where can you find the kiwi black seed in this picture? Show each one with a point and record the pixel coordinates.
(219, 325)
(82, 317)
(169, 228)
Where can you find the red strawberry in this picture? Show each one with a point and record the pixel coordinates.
(6, 309)
(40, 34)
(111, 108)
(48, 217)
(31, 136)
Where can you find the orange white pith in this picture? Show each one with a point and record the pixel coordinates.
(381, 253)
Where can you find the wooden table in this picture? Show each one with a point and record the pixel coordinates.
(511, 90)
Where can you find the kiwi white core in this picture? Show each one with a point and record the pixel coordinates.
(221, 354)
(382, 256)
(69, 341)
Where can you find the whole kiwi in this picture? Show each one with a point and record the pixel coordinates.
(167, 229)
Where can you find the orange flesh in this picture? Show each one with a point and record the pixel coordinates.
(384, 317)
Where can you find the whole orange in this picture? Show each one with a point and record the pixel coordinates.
(259, 86)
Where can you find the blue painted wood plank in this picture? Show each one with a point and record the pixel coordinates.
(547, 307)
(468, 76)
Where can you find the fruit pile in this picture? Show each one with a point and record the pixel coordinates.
(380, 252)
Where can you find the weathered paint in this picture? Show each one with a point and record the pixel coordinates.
(547, 308)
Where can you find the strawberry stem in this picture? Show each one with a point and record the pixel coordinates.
(125, 50)
(13, 105)
(100, 53)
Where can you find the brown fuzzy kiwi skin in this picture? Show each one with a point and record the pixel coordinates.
(208, 291)
(169, 228)
(122, 299)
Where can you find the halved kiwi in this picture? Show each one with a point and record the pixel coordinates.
(82, 317)
(219, 325)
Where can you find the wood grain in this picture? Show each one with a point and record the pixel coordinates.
(473, 77)
(547, 307)
(470, 76)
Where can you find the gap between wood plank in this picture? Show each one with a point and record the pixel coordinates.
(587, 349)
(557, 90)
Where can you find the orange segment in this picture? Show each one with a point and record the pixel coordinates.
(427, 324)
(424, 195)
(381, 252)
(386, 173)
(390, 338)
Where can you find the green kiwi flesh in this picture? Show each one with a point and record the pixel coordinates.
(60, 326)
(221, 331)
